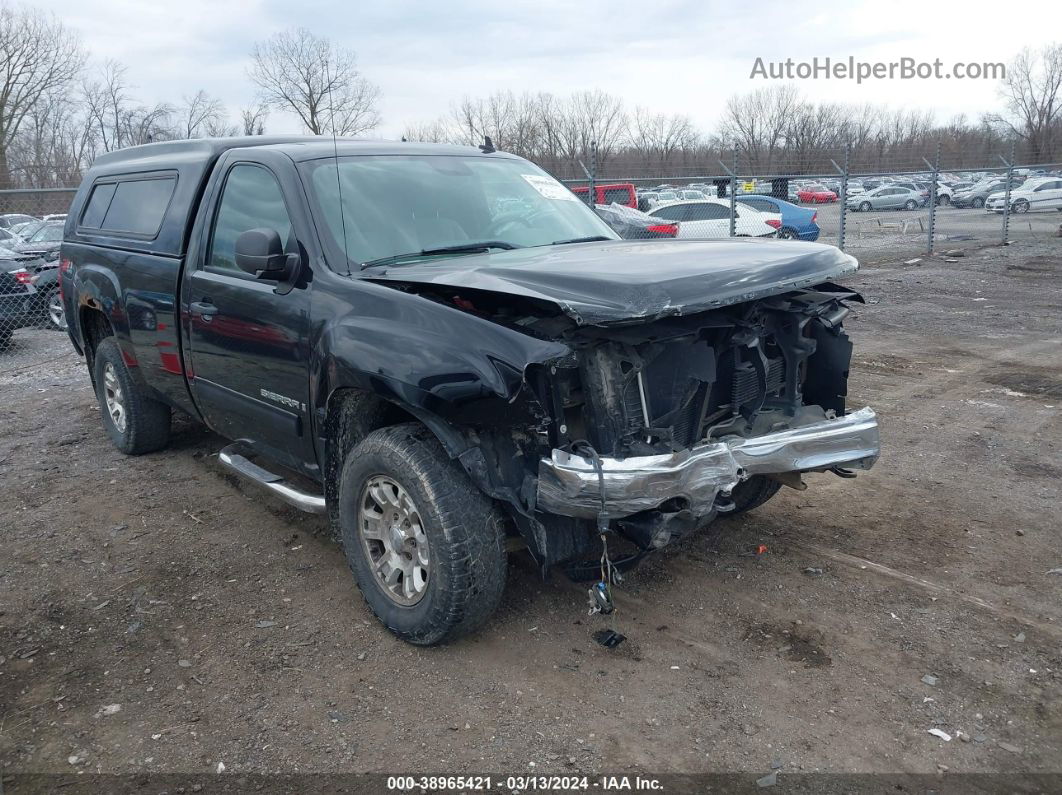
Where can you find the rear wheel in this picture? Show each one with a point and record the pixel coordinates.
(911, 205)
(427, 548)
(1021, 206)
(944, 200)
(56, 312)
(135, 421)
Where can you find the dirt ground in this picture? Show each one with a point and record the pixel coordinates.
(158, 616)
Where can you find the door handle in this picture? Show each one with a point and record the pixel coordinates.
(204, 308)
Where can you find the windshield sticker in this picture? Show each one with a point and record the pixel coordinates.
(549, 187)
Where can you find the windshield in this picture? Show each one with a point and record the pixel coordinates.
(393, 205)
(50, 233)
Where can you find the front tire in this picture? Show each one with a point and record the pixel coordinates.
(865, 207)
(944, 200)
(978, 203)
(136, 422)
(752, 493)
(427, 548)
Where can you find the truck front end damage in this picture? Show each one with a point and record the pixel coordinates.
(670, 403)
(658, 423)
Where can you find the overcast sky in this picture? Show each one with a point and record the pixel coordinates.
(675, 56)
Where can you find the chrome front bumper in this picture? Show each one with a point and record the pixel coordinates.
(568, 484)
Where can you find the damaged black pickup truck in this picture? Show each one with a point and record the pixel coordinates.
(448, 353)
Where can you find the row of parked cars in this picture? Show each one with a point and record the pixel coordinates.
(29, 273)
(696, 215)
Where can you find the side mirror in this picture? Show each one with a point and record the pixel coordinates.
(260, 252)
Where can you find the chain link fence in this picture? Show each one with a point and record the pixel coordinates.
(905, 207)
(32, 321)
(879, 209)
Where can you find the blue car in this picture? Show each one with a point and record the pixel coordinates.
(798, 223)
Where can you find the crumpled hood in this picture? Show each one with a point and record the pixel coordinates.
(627, 281)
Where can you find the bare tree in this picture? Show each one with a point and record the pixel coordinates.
(202, 114)
(756, 123)
(38, 56)
(117, 120)
(318, 81)
(252, 119)
(1032, 91)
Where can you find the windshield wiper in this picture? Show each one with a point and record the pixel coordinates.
(592, 239)
(462, 248)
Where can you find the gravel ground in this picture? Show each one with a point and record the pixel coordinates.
(158, 616)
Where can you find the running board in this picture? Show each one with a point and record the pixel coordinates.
(231, 458)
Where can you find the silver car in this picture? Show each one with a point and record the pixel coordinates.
(887, 197)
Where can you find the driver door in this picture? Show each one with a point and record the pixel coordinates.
(249, 345)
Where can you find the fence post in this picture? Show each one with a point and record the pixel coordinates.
(1006, 195)
(592, 192)
(733, 196)
(733, 190)
(844, 193)
(935, 166)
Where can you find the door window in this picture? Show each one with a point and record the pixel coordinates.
(708, 212)
(251, 199)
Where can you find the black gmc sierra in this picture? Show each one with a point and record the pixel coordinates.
(448, 353)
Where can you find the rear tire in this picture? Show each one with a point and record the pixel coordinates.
(458, 583)
(136, 422)
(752, 493)
(911, 205)
(1021, 206)
(56, 311)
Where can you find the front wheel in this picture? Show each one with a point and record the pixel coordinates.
(427, 548)
(978, 203)
(864, 207)
(135, 421)
(944, 201)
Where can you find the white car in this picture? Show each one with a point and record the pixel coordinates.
(710, 218)
(1038, 193)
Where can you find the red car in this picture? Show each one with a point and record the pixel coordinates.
(816, 194)
(620, 193)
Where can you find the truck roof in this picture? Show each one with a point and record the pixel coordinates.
(170, 154)
(189, 163)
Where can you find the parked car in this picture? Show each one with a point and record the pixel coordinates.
(887, 197)
(1037, 193)
(921, 188)
(816, 194)
(798, 223)
(631, 224)
(686, 195)
(17, 296)
(977, 195)
(8, 238)
(44, 242)
(446, 374)
(9, 220)
(621, 193)
(26, 228)
(45, 301)
(710, 218)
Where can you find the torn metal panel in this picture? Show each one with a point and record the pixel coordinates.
(569, 484)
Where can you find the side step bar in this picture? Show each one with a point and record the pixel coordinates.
(232, 458)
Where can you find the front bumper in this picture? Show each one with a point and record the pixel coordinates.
(569, 484)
